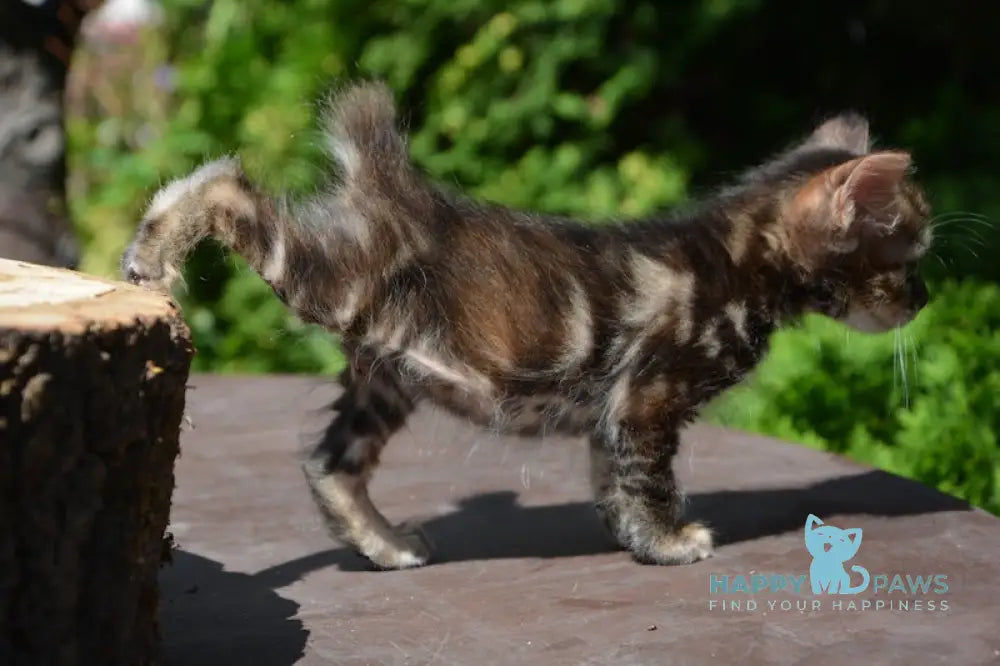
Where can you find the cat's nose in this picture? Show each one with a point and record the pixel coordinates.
(128, 266)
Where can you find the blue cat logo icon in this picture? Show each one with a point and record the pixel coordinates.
(830, 547)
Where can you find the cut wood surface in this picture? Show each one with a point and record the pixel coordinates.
(92, 382)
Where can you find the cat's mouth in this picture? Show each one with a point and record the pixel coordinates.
(827, 547)
(879, 320)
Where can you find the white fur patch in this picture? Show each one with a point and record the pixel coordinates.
(389, 332)
(580, 331)
(737, 313)
(345, 152)
(334, 213)
(174, 192)
(167, 198)
(739, 237)
(425, 362)
(709, 339)
(274, 266)
(354, 226)
(395, 340)
(922, 245)
(662, 292)
(625, 349)
(616, 405)
(347, 309)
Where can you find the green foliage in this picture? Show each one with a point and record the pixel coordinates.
(921, 403)
(595, 108)
(246, 329)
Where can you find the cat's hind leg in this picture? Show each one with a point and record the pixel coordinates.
(638, 500)
(373, 406)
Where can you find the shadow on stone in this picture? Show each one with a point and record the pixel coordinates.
(209, 616)
(743, 515)
(484, 527)
(495, 526)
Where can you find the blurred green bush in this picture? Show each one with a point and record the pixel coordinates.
(595, 108)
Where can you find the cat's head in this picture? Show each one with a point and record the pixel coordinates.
(856, 225)
(829, 542)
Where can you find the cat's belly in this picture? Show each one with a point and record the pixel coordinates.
(470, 394)
(518, 415)
(539, 414)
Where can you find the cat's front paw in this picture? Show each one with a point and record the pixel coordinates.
(407, 548)
(690, 543)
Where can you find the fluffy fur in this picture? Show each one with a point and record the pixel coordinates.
(524, 322)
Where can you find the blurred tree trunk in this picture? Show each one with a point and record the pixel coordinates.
(36, 43)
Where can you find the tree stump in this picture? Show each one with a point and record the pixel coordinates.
(92, 381)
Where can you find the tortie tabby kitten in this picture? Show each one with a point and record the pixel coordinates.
(525, 322)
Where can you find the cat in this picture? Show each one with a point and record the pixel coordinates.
(526, 323)
(830, 547)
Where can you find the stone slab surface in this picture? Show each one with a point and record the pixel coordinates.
(524, 573)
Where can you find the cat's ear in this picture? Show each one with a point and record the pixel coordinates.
(868, 185)
(811, 522)
(852, 200)
(848, 131)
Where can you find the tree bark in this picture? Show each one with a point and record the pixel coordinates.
(92, 382)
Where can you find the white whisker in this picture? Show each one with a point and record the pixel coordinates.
(895, 359)
(902, 364)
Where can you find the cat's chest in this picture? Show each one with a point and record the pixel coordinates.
(715, 360)
(734, 362)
